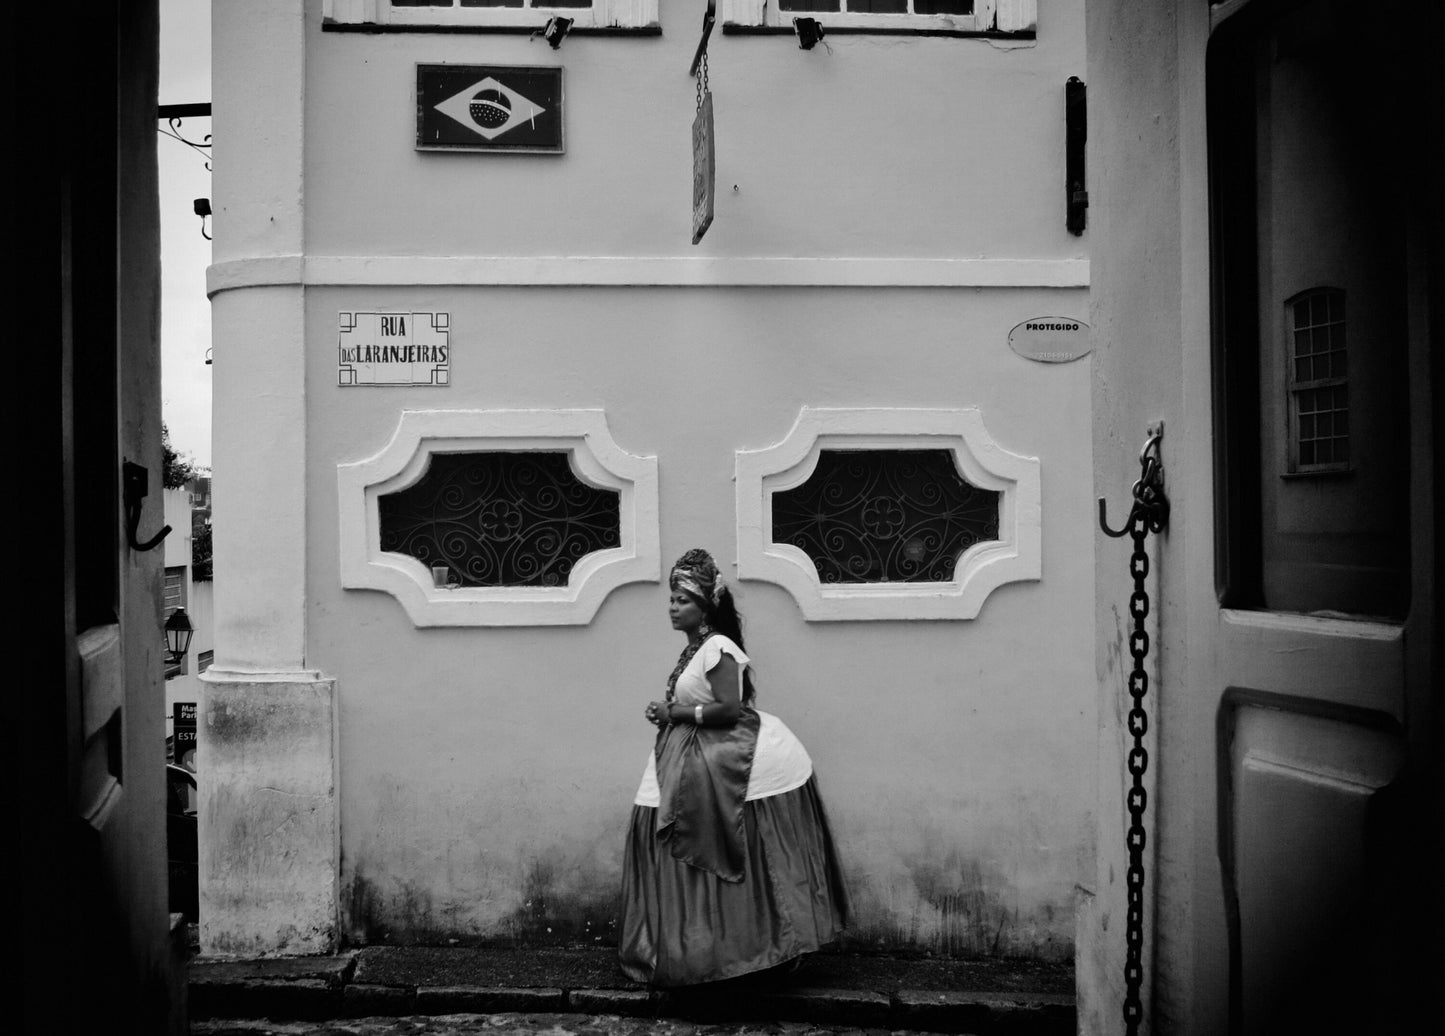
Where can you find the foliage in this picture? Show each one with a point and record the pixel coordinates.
(176, 471)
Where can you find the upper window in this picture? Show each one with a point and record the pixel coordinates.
(964, 16)
(880, 6)
(1318, 392)
(421, 14)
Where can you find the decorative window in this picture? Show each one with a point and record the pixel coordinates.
(499, 519)
(897, 516)
(1319, 420)
(502, 14)
(537, 515)
(888, 514)
(958, 16)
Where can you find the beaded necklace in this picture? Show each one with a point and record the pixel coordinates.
(703, 632)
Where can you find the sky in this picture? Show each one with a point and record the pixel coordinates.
(185, 254)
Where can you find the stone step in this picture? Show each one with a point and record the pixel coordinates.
(849, 990)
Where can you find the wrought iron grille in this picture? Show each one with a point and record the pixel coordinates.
(500, 518)
(876, 516)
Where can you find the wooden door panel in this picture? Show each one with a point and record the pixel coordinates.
(1340, 662)
(1297, 847)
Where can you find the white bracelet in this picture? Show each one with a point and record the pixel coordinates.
(697, 714)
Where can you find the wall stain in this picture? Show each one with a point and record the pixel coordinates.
(551, 912)
(949, 904)
(956, 907)
(402, 918)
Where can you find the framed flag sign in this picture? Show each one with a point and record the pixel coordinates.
(506, 108)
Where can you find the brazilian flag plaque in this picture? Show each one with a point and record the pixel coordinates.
(515, 108)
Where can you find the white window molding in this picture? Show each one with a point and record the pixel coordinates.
(1005, 16)
(603, 14)
(1015, 556)
(595, 458)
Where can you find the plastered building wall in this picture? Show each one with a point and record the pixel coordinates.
(898, 209)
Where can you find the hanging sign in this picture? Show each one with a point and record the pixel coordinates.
(1050, 339)
(515, 108)
(393, 349)
(704, 169)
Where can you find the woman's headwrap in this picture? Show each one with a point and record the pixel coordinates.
(696, 573)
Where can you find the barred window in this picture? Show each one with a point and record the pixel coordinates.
(500, 518)
(1319, 393)
(947, 17)
(482, 15)
(535, 4)
(880, 515)
(880, 6)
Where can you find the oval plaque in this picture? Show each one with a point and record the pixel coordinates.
(1050, 339)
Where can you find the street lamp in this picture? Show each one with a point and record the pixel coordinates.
(178, 636)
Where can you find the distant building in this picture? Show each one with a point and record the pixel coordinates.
(184, 590)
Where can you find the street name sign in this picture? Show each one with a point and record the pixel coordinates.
(377, 348)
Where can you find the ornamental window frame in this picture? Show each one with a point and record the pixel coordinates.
(1015, 556)
(989, 16)
(603, 14)
(595, 458)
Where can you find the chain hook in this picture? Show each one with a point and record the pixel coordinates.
(1150, 505)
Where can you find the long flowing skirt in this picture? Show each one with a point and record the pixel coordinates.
(682, 925)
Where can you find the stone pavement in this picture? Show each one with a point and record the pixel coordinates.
(519, 1025)
(558, 991)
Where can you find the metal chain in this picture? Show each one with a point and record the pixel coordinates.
(1137, 797)
(1150, 513)
(702, 85)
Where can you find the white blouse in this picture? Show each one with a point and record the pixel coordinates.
(780, 763)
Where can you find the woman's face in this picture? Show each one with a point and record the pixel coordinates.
(686, 614)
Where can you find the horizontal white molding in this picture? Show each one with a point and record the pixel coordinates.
(644, 271)
(247, 675)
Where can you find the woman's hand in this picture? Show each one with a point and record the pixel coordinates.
(656, 713)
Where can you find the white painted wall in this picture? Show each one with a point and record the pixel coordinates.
(486, 774)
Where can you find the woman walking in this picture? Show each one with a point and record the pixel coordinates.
(729, 866)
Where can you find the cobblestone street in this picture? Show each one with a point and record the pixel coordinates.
(516, 1025)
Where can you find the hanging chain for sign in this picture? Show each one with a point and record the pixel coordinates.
(1149, 513)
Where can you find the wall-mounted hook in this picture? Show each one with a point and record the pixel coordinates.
(135, 483)
(1150, 505)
